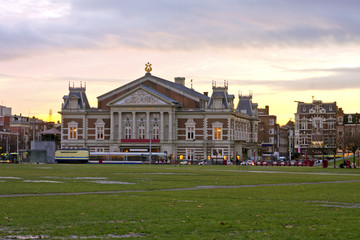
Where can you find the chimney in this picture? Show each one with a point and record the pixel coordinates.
(206, 94)
(180, 80)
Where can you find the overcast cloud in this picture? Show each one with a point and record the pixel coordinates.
(276, 45)
(30, 26)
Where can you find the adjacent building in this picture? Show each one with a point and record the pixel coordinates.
(315, 127)
(268, 133)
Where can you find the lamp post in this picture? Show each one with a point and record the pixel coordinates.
(150, 148)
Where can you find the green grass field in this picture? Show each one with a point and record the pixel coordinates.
(98, 201)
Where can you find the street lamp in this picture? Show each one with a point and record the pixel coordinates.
(150, 148)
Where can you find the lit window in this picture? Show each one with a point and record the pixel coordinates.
(73, 130)
(217, 133)
(217, 152)
(73, 133)
(217, 130)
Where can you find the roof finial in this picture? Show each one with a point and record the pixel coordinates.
(148, 68)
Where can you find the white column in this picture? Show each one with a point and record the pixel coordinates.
(148, 136)
(161, 126)
(134, 126)
(120, 126)
(170, 126)
(111, 125)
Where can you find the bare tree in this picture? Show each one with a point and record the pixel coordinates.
(352, 143)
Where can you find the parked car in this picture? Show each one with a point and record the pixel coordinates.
(185, 162)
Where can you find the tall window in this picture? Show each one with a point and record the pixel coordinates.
(271, 121)
(190, 129)
(190, 133)
(73, 132)
(190, 154)
(73, 128)
(128, 131)
(100, 133)
(217, 133)
(340, 120)
(99, 129)
(155, 131)
(141, 131)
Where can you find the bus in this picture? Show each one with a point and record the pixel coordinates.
(72, 156)
(126, 157)
(9, 158)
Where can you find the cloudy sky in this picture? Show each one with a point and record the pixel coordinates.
(281, 50)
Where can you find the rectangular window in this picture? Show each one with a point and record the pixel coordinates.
(99, 150)
(190, 133)
(141, 131)
(72, 132)
(271, 131)
(127, 131)
(190, 154)
(217, 152)
(271, 121)
(155, 132)
(100, 133)
(217, 133)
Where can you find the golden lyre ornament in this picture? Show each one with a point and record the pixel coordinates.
(148, 67)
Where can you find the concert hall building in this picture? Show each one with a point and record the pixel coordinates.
(166, 115)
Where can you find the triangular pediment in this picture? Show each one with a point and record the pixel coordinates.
(139, 96)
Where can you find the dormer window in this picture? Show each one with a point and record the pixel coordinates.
(350, 119)
(340, 120)
(218, 103)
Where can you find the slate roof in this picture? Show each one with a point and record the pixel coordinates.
(166, 98)
(174, 85)
(78, 93)
(245, 104)
(222, 95)
(329, 107)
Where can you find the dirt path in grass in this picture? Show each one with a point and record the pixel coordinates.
(174, 189)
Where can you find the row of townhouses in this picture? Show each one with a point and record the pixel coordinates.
(17, 131)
